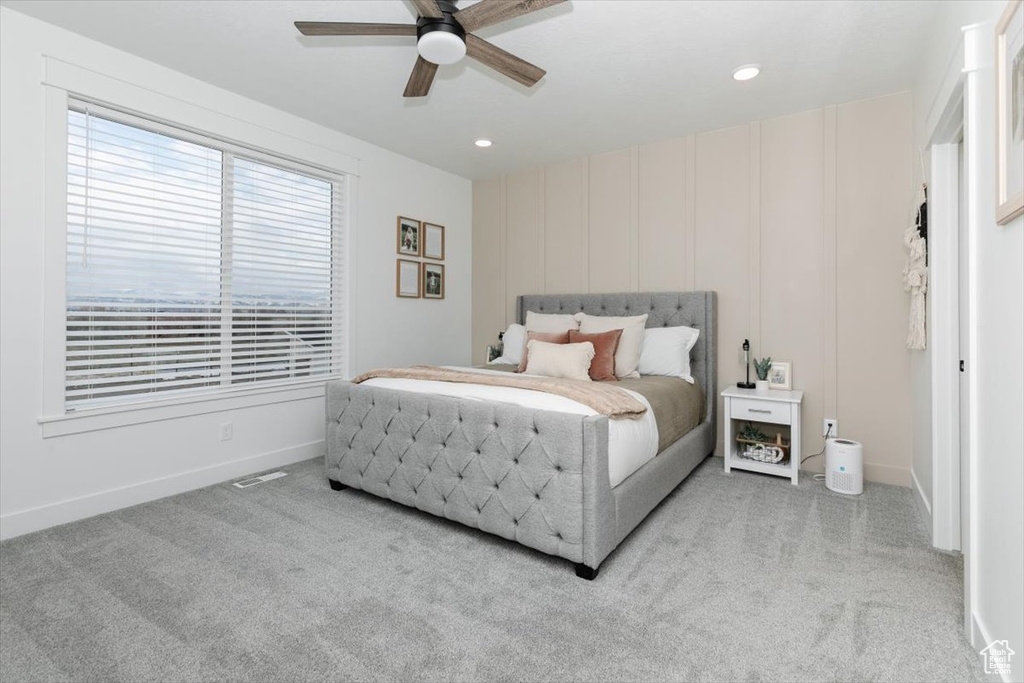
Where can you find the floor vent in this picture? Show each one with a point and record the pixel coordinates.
(252, 481)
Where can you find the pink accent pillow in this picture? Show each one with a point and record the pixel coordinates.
(550, 337)
(602, 367)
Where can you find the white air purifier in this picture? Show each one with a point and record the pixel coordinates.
(844, 466)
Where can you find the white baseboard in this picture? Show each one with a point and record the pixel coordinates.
(886, 474)
(980, 638)
(921, 498)
(923, 505)
(45, 516)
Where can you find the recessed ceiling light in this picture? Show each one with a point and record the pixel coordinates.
(746, 72)
(483, 142)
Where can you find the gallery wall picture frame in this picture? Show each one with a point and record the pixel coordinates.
(1010, 113)
(433, 281)
(433, 241)
(407, 279)
(780, 375)
(409, 237)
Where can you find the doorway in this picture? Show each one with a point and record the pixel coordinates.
(949, 334)
(959, 134)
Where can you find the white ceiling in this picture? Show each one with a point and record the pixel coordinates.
(620, 72)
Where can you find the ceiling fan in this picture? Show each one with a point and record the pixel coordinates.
(444, 36)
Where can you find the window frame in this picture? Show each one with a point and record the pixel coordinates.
(54, 419)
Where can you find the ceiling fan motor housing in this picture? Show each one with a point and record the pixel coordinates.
(446, 23)
(441, 40)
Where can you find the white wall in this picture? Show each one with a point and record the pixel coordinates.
(52, 480)
(996, 554)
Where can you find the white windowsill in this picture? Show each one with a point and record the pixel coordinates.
(112, 417)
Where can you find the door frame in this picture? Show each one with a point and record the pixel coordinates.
(944, 305)
(957, 109)
(945, 132)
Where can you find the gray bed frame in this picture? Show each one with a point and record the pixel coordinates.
(536, 477)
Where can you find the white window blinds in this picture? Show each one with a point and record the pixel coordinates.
(194, 265)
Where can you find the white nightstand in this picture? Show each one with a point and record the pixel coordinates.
(773, 407)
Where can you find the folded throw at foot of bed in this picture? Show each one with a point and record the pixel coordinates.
(601, 397)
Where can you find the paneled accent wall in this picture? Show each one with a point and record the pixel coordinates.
(797, 223)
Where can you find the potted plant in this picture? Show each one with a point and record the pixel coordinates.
(762, 367)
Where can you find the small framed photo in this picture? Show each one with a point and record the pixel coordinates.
(409, 237)
(407, 279)
(433, 241)
(1010, 113)
(433, 281)
(780, 375)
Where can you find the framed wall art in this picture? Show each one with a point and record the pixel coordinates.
(433, 241)
(407, 279)
(410, 242)
(433, 281)
(1010, 113)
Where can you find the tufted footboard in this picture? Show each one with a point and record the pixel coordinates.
(535, 477)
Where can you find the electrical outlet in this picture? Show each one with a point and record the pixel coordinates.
(830, 422)
(227, 431)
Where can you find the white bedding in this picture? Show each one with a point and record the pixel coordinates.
(631, 443)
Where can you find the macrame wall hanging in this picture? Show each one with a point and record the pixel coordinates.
(915, 274)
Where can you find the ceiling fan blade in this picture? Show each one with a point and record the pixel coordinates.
(420, 79)
(503, 62)
(344, 28)
(427, 8)
(487, 12)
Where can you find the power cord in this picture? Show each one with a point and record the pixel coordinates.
(827, 432)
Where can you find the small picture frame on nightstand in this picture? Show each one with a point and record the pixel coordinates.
(780, 375)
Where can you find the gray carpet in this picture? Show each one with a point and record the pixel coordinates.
(733, 578)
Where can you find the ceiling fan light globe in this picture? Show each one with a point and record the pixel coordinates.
(441, 47)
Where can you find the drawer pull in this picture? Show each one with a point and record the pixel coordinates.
(760, 411)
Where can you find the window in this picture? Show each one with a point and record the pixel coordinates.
(194, 265)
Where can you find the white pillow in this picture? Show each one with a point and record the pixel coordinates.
(666, 351)
(570, 361)
(550, 322)
(628, 353)
(512, 342)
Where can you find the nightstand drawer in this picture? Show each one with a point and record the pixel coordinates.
(760, 411)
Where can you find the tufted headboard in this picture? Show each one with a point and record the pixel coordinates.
(663, 309)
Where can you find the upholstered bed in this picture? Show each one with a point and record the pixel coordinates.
(536, 477)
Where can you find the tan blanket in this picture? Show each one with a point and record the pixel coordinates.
(606, 399)
(678, 406)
